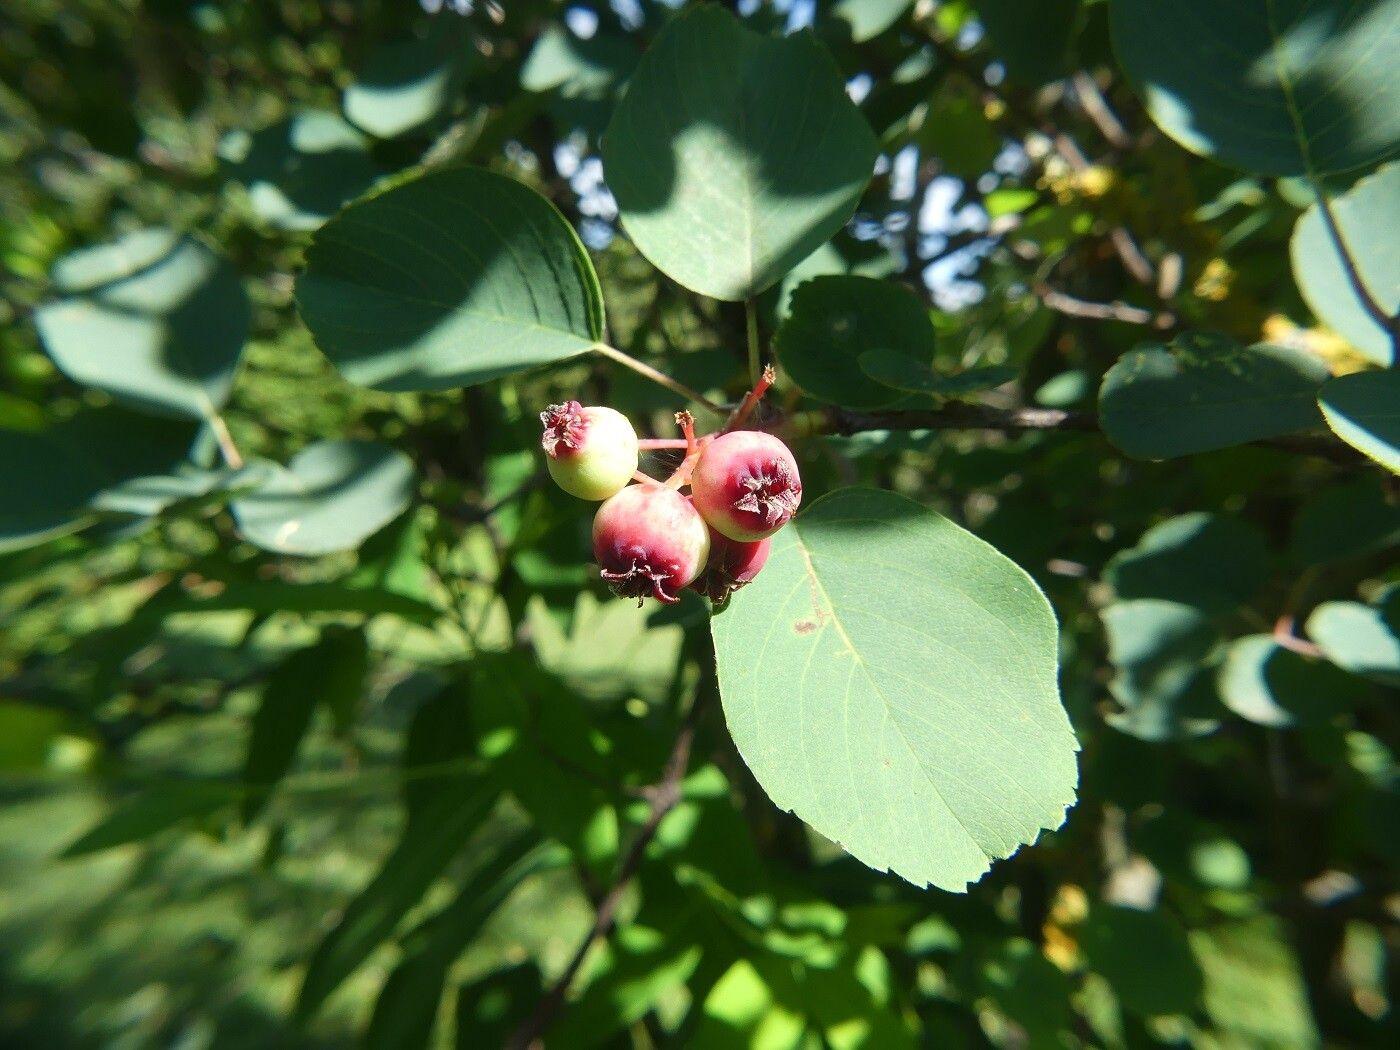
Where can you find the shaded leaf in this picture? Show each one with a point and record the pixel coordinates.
(489, 1009)
(156, 319)
(1117, 941)
(733, 156)
(154, 810)
(448, 279)
(330, 497)
(834, 320)
(406, 83)
(1207, 560)
(1359, 638)
(1363, 409)
(1033, 40)
(1253, 988)
(1200, 393)
(1272, 86)
(905, 373)
(923, 731)
(1345, 521)
(1272, 686)
(1159, 649)
(1367, 219)
(300, 171)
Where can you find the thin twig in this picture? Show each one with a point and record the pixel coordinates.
(1114, 311)
(1097, 109)
(660, 378)
(232, 458)
(663, 795)
(1369, 302)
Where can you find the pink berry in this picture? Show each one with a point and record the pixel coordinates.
(650, 542)
(746, 485)
(592, 451)
(731, 565)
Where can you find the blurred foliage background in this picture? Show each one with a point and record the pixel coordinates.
(377, 797)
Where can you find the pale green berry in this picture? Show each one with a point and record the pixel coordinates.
(592, 451)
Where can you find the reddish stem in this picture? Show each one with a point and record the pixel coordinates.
(751, 399)
(657, 444)
(693, 448)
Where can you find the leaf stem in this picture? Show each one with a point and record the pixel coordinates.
(751, 327)
(233, 459)
(660, 378)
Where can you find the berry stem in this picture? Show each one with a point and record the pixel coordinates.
(660, 378)
(693, 448)
(751, 400)
(659, 444)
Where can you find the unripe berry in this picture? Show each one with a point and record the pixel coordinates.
(732, 564)
(592, 451)
(746, 485)
(650, 542)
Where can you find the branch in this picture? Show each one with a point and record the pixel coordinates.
(663, 795)
(1114, 311)
(957, 415)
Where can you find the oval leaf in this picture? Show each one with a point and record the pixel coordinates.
(300, 171)
(836, 319)
(1280, 87)
(330, 497)
(891, 679)
(1363, 409)
(1368, 219)
(449, 279)
(1358, 638)
(155, 319)
(1202, 392)
(905, 373)
(732, 155)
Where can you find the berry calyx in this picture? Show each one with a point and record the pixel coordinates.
(650, 542)
(746, 485)
(592, 452)
(731, 565)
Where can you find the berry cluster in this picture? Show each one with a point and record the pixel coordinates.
(650, 538)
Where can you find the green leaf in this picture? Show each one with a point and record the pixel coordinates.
(405, 84)
(449, 279)
(420, 857)
(862, 19)
(1158, 649)
(834, 320)
(1253, 988)
(733, 156)
(156, 319)
(577, 68)
(1360, 638)
(897, 370)
(28, 733)
(1280, 87)
(891, 679)
(1117, 941)
(957, 133)
(154, 810)
(54, 477)
(405, 1013)
(1368, 218)
(1201, 392)
(1272, 686)
(1363, 409)
(1032, 40)
(1343, 521)
(1207, 560)
(330, 497)
(332, 673)
(300, 171)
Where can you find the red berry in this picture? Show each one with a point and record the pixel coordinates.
(592, 451)
(746, 485)
(650, 542)
(731, 565)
